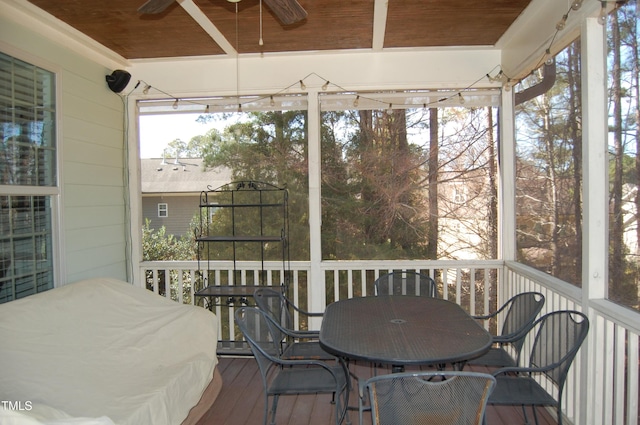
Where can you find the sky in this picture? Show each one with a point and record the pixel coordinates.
(156, 131)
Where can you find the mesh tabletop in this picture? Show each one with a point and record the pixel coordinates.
(402, 330)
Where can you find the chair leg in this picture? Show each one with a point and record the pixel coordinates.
(273, 409)
(342, 407)
(266, 409)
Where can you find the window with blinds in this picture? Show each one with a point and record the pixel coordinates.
(27, 177)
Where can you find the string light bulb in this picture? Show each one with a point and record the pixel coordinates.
(390, 109)
(562, 22)
(356, 101)
(271, 101)
(548, 59)
(577, 4)
(507, 85)
(602, 16)
(175, 104)
(325, 85)
(461, 98)
(146, 89)
(302, 86)
(498, 77)
(206, 110)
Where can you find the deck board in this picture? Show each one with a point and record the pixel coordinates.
(241, 401)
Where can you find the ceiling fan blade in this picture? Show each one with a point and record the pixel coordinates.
(288, 11)
(154, 6)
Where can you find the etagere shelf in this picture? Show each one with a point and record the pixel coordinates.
(241, 221)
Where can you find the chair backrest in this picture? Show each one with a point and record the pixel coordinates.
(276, 306)
(258, 333)
(405, 283)
(558, 338)
(521, 312)
(451, 398)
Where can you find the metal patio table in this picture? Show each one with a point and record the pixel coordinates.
(402, 330)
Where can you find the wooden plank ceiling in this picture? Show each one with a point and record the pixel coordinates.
(331, 25)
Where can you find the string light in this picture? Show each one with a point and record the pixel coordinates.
(497, 78)
(562, 22)
(602, 16)
(507, 82)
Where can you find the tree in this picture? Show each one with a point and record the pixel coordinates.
(157, 245)
(549, 164)
(268, 147)
(160, 246)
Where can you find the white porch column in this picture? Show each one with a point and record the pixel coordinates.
(595, 206)
(507, 184)
(316, 294)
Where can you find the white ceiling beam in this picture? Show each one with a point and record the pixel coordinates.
(201, 19)
(380, 9)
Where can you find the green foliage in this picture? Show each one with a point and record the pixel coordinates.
(268, 147)
(159, 246)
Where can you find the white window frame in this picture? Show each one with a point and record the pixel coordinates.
(53, 192)
(163, 207)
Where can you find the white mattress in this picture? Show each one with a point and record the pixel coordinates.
(103, 350)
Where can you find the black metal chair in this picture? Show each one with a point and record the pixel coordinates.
(558, 338)
(405, 283)
(290, 377)
(295, 344)
(426, 398)
(519, 314)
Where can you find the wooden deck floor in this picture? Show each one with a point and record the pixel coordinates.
(241, 401)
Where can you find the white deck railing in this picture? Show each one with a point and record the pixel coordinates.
(603, 384)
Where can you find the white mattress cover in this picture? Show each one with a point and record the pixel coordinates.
(104, 348)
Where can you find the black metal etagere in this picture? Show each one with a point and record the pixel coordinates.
(240, 221)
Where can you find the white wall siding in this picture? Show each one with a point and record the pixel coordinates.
(91, 152)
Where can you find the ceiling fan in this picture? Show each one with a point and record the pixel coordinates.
(288, 11)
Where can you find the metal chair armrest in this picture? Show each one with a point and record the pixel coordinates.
(301, 311)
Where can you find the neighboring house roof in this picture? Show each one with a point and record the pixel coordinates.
(186, 175)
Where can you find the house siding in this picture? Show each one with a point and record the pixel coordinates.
(90, 146)
(181, 212)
